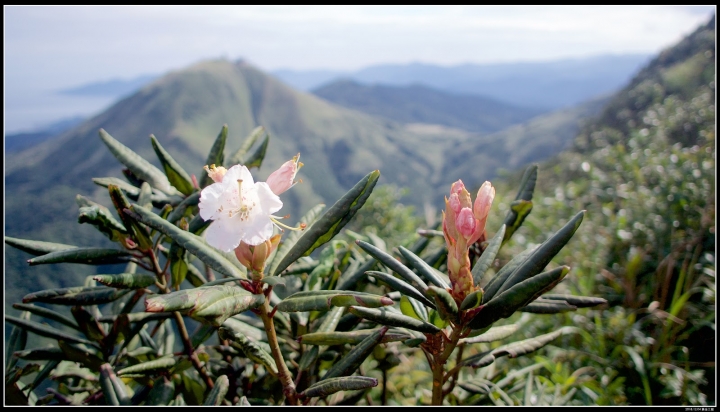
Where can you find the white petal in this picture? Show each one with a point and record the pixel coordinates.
(258, 230)
(269, 201)
(238, 172)
(210, 201)
(221, 235)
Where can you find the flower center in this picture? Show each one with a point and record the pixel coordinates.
(243, 208)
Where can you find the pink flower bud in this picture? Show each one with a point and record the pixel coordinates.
(282, 179)
(465, 222)
(454, 202)
(484, 200)
(457, 187)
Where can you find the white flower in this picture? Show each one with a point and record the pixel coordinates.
(241, 209)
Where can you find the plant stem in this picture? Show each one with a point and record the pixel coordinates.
(283, 371)
(438, 364)
(190, 351)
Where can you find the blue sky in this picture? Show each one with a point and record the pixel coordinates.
(48, 48)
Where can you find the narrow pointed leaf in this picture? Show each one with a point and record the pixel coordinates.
(578, 301)
(100, 217)
(388, 318)
(446, 305)
(209, 255)
(251, 349)
(516, 349)
(239, 156)
(488, 256)
(491, 288)
(536, 262)
(330, 223)
(216, 155)
(350, 362)
(523, 202)
(87, 324)
(394, 265)
(44, 330)
(78, 295)
(46, 313)
(354, 337)
(506, 303)
(424, 270)
(472, 300)
(80, 355)
(182, 207)
(217, 394)
(257, 157)
(36, 247)
(126, 280)
(137, 165)
(152, 366)
(219, 306)
(493, 334)
(345, 383)
(402, 287)
(542, 306)
(177, 176)
(413, 308)
(83, 255)
(138, 232)
(291, 239)
(349, 279)
(162, 393)
(16, 342)
(50, 353)
(322, 300)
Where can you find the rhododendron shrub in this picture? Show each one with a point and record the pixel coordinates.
(221, 303)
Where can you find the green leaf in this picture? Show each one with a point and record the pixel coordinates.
(164, 363)
(145, 197)
(522, 205)
(349, 279)
(350, 362)
(472, 300)
(446, 305)
(354, 337)
(43, 330)
(100, 217)
(16, 342)
(535, 263)
(506, 303)
(402, 287)
(546, 306)
(491, 288)
(36, 247)
(516, 349)
(46, 313)
(291, 239)
(50, 353)
(177, 176)
(126, 280)
(239, 156)
(413, 308)
(251, 349)
(213, 304)
(216, 155)
(493, 334)
(137, 165)
(322, 300)
(87, 324)
(78, 295)
(180, 210)
(385, 317)
(139, 233)
(80, 355)
(345, 383)
(394, 265)
(178, 264)
(488, 256)
(423, 269)
(257, 157)
(162, 392)
(578, 301)
(217, 394)
(84, 255)
(159, 199)
(195, 245)
(327, 226)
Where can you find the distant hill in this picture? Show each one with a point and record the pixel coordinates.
(19, 141)
(421, 104)
(548, 85)
(114, 87)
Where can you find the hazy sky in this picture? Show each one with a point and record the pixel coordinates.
(47, 48)
(60, 46)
